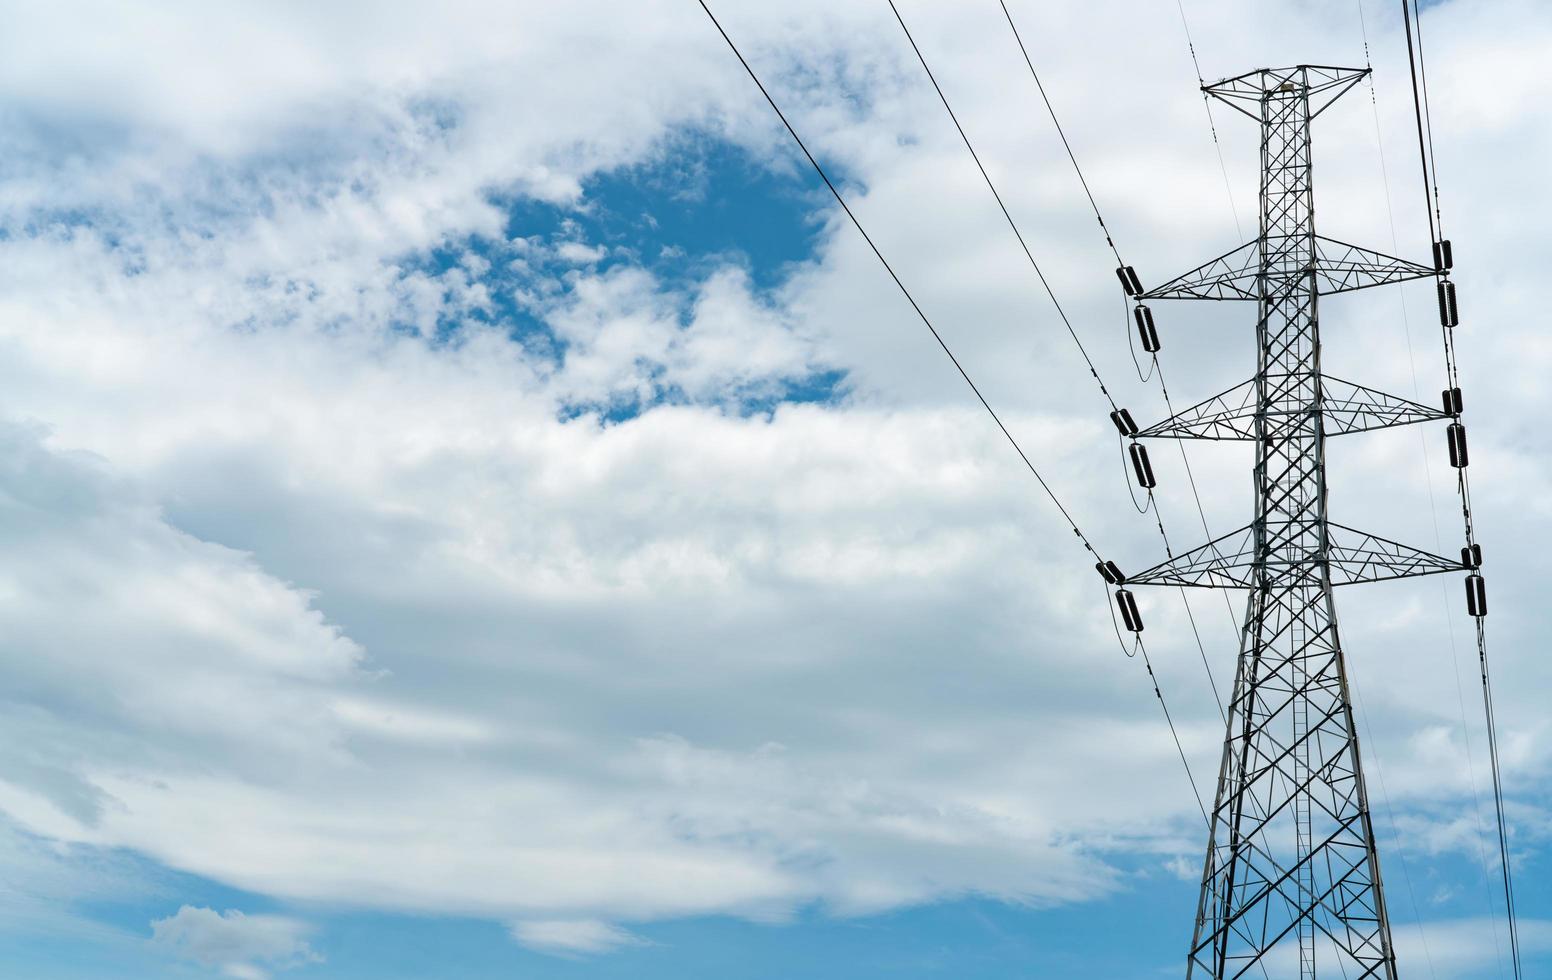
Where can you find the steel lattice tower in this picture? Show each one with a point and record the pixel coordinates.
(1292, 876)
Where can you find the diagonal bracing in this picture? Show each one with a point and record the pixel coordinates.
(1338, 267)
(1347, 407)
(1351, 556)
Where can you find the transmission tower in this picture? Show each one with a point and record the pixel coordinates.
(1291, 875)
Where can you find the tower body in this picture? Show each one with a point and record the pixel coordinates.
(1291, 864)
(1291, 882)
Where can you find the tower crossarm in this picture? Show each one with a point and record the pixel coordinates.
(1358, 556)
(1350, 407)
(1347, 407)
(1232, 275)
(1353, 556)
(1339, 267)
(1320, 84)
(1227, 562)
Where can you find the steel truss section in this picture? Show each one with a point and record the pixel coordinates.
(1347, 408)
(1291, 874)
(1253, 87)
(1352, 557)
(1339, 267)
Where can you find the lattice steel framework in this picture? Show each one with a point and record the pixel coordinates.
(1291, 876)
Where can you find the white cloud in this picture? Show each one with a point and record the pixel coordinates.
(277, 562)
(1460, 948)
(244, 947)
(580, 253)
(572, 937)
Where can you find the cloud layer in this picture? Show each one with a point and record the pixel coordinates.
(467, 565)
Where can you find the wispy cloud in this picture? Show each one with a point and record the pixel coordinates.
(573, 937)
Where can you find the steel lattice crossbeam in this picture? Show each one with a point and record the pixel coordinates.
(1338, 267)
(1347, 407)
(1351, 556)
(1291, 874)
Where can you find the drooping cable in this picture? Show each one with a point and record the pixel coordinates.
(1433, 159)
(1005, 213)
(1433, 511)
(1503, 834)
(1154, 680)
(1212, 124)
(1417, 110)
(1463, 483)
(1150, 502)
(1157, 368)
(1065, 145)
(839, 199)
(1139, 647)
(1201, 512)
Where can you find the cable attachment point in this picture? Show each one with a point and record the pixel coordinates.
(1449, 313)
(1123, 422)
(1476, 596)
(1443, 257)
(1145, 328)
(1457, 439)
(1142, 467)
(1452, 402)
(1129, 614)
(1109, 572)
(1129, 280)
(1471, 556)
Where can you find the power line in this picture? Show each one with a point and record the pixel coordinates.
(1028, 254)
(1448, 319)
(1005, 213)
(1067, 146)
(1139, 647)
(1433, 512)
(1212, 124)
(835, 192)
(1157, 366)
(1417, 109)
(1433, 159)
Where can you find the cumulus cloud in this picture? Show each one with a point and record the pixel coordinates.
(241, 946)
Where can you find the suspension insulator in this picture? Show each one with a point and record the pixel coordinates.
(1449, 313)
(1452, 401)
(1476, 595)
(1471, 556)
(1123, 422)
(1129, 281)
(1109, 572)
(1129, 614)
(1143, 468)
(1145, 329)
(1443, 257)
(1457, 438)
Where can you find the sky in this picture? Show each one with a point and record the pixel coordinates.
(472, 506)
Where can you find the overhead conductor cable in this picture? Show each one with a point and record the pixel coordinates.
(1476, 595)
(839, 199)
(1137, 452)
(1147, 331)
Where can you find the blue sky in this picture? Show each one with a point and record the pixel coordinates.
(473, 508)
